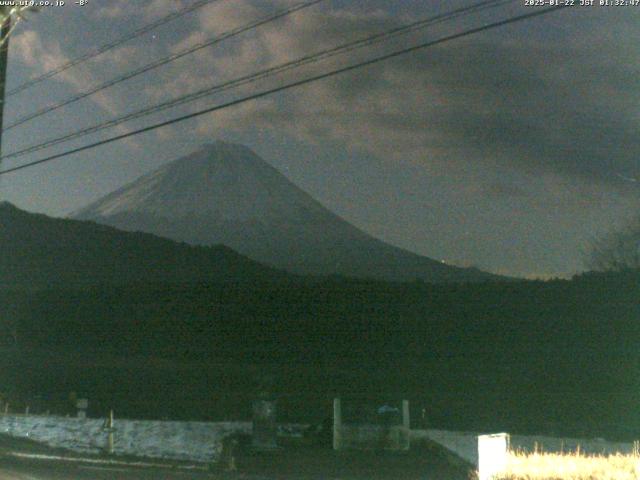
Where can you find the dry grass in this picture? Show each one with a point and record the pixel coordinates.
(571, 466)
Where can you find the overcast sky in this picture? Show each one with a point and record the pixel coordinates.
(508, 150)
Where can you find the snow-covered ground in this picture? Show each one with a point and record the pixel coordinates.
(465, 444)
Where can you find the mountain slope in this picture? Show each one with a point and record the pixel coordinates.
(43, 252)
(225, 194)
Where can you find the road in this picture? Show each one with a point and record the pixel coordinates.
(29, 469)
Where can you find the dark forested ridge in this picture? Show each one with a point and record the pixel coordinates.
(523, 356)
(44, 252)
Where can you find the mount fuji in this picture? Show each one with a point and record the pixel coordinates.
(226, 194)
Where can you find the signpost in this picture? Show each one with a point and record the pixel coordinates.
(265, 428)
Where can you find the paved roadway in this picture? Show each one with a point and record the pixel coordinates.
(29, 469)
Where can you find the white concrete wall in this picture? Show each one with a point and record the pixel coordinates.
(465, 444)
(493, 453)
(364, 437)
(195, 441)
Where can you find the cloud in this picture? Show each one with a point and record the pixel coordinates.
(218, 17)
(500, 190)
(149, 9)
(114, 9)
(31, 51)
(554, 105)
(565, 106)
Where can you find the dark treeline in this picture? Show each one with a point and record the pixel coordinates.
(40, 252)
(524, 356)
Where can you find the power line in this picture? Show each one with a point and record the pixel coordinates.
(297, 83)
(109, 46)
(367, 41)
(248, 79)
(163, 61)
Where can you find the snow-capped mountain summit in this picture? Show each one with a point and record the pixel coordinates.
(222, 181)
(225, 193)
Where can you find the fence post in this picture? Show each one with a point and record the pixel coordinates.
(109, 429)
(405, 437)
(337, 424)
(493, 451)
(265, 427)
(82, 404)
(406, 422)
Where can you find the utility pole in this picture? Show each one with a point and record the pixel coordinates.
(8, 23)
(4, 58)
